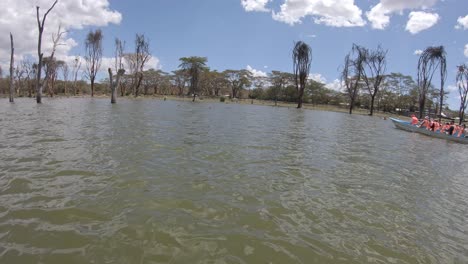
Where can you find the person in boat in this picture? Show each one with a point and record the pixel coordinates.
(462, 131)
(414, 120)
(425, 123)
(451, 129)
(435, 126)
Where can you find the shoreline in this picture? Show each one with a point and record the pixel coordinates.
(306, 106)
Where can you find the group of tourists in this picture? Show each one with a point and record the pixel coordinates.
(433, 125)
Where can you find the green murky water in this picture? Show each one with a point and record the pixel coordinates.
(84, 181)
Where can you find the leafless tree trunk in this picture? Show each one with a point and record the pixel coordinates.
(142, 56)
(12, 86)
(113, 85)
(352, 73)
(373, 71)
(93, 46)
(40, 25)
(76, 69)
(65, 75)
(462, 83)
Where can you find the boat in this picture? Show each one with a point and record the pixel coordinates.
(405, 125)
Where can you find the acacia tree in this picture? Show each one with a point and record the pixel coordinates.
(279, 81)
(93, 57)
(431, 59)
(302, 58)
(193, 66)
(352, 73)
(238, 80)
(462, 83)
(40, 25)
(401, 86)
(373, 72)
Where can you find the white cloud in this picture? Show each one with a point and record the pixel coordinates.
(419, 21)
(466, 51)
(256, 73)
(462, 22)
(19, 17)
(451, 88)
(336, 85)
(317, 77)
(418, 52)
(337, 13)
(379, 15)
(255, 5)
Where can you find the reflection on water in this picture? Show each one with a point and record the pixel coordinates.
(84, 181)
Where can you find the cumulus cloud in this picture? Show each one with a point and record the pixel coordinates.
(466, 51)
(418, 52)
(336, 13)
(256, 73)
(379, 15)
(462, 22)
(419, 21)
(336, 85)
(317, 77)
(255, 5)
(19, 17)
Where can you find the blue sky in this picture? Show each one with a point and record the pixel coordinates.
(233, 34)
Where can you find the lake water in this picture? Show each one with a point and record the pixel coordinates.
(151, 181)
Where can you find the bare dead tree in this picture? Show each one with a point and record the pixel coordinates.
(12, 62)
(373, 72)
(76, 69)
(351, 73)
(20, 79)
(431, 59)
(142, 55)
(302, 58)
(462, 83)
(65, 75)
(93, 57)
(113, 84)
(119, 54)
(119, 57)
(40, 25)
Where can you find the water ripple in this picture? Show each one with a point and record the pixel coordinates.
(146, 181)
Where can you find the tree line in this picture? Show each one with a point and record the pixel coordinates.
(364, 80)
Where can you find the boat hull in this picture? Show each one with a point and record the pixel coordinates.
(404, 125)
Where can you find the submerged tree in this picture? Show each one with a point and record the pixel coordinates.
(302, 58)
(352, 73)
(75, 70)
(12, 62)
(373, 72)
(137, 61)
(93, 57)
(40, 25)
(113, 84)
(431, 59)
(462, 83)
(193, 66)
